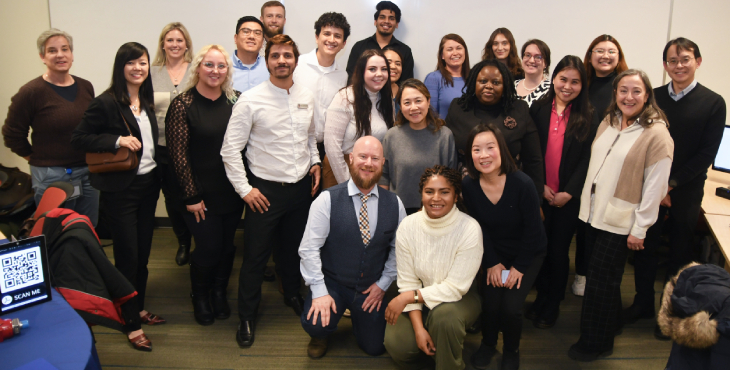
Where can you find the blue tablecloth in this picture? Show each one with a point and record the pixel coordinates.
(57, 337)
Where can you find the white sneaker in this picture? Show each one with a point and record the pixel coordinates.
(579, 285)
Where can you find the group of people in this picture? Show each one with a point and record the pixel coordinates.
(466, 188)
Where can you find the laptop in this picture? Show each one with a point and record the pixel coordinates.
(24, 275)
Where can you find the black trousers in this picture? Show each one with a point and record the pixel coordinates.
(600, 315)
(214, 237)
(285, 219)
(560, 224)
(173, 203)
(502, 309)
(131, 213)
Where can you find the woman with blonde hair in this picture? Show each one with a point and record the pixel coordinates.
(196, 124)
(170, 73)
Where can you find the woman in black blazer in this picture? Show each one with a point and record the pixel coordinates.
(566, 126)
(129, 197)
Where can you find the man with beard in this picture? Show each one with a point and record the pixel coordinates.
(273, 121)
(387, 18)
(348, 253)
(273, 16)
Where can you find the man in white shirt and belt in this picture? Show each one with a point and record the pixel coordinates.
(318, 70)
(348, 253)
(273, 122)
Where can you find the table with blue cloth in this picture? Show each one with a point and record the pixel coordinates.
(57, 338)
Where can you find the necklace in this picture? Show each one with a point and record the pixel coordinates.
(133, 106)
(524, 85)
(175, 77)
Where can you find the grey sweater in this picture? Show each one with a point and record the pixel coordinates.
(408, 153)
(165, 91)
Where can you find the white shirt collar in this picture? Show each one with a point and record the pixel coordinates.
(352, 189)
(683, 92)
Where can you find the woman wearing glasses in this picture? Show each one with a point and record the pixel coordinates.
(196, 124)
(536, 64)
(169, 74)
(604, 60)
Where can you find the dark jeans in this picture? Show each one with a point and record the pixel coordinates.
(213, 237)
(685, 210)
(285, 219)
(131, 214)
(368, 327)
(601, 311)
(502, 309)
(560, 224)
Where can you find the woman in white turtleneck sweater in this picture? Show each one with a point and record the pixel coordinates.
(357, 111)
(439, 251)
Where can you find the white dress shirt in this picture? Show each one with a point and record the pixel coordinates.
(323, 82)
(275, 127)
(318, 228)
(147, 162)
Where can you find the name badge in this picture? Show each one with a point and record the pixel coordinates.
(302, 106)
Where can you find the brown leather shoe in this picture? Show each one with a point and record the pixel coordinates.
(317, 348)
(141, 343)
(152, 319)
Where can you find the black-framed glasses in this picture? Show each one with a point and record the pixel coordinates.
(527, 56)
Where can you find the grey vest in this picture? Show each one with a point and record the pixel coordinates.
(345, 259)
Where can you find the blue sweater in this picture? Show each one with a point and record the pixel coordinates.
(442, 94)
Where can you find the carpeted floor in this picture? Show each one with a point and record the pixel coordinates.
(281, 343)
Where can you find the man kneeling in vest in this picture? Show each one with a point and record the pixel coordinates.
(348, 253)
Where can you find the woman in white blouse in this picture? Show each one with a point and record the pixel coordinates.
(357, 110)
(439, 251)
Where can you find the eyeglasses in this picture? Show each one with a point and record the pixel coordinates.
(604, 51)
(210, 66)
(527, 56)
(677, 62)
(247, 32)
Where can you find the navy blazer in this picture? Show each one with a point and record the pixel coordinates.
(576, 155)
(99, 130)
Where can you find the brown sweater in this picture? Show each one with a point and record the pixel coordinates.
(52, 118)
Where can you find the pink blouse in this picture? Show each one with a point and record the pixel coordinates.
(554, 150)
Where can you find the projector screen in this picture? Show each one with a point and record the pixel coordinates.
(567, 26)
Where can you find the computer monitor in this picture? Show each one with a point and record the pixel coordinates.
(24, 274)
(722, 159)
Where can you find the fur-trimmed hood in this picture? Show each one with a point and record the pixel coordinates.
(695, 302)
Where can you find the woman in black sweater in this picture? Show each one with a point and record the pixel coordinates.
(502, 199)
(195, 127)
(566, 125)
(490, 97)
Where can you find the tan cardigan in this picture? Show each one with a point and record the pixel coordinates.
(627, 177)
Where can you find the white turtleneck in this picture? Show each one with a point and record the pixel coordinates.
(439, 256)
(340, 130)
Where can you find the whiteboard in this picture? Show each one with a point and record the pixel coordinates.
(567, 26)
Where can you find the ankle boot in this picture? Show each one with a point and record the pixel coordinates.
(200, 278)
(183, 254)
(218, 294)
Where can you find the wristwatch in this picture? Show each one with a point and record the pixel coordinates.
(415, 296)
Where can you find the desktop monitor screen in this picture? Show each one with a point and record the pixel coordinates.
(722, 160)
(24, 276)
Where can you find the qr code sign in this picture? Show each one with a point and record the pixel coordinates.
(21, 269)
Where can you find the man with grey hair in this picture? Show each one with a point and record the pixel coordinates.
(53, 105)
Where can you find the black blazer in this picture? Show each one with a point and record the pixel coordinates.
(576, 155)
(98, 132)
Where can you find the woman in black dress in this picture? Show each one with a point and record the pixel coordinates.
(196, 124)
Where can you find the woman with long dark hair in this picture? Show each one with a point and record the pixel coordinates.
(452, 67)
(628, 176)
(501, 46)
(395, 63)
(503, 200)
(490, 97)
(122, 116)
(565, 122)
(365, 107)
(196, 124)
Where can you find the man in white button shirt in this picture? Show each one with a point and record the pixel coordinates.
(318, 70)
(273, 121)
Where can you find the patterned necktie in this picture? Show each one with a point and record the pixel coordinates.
(363, 220)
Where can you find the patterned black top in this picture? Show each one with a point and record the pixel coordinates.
(541, 90)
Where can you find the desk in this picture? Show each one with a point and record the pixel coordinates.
(711, 203)
(720, 227)
(57, 337)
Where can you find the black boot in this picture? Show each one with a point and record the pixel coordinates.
(200, 278)
(183, 254)
(218, 296)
